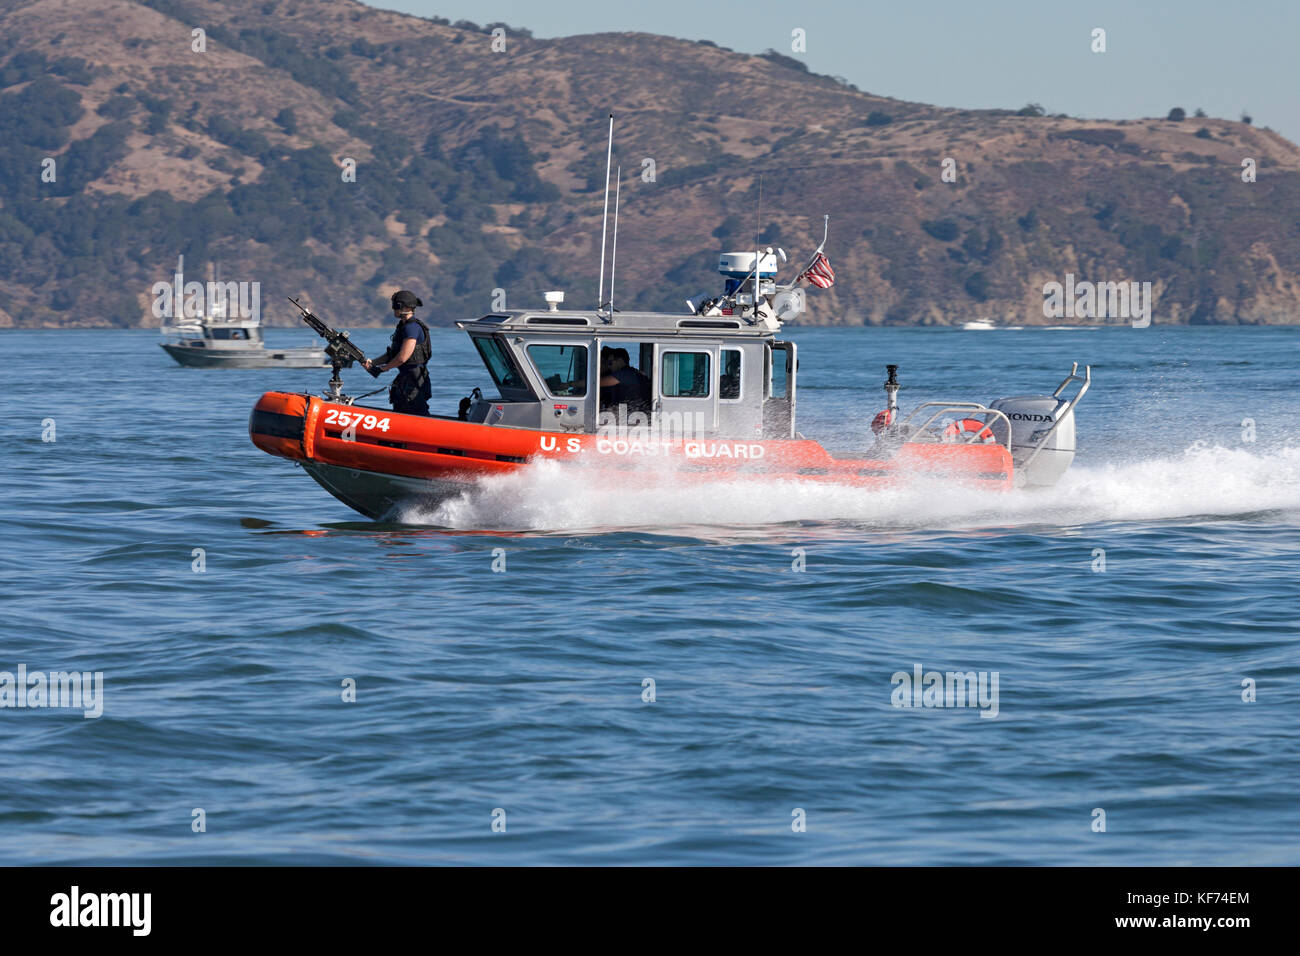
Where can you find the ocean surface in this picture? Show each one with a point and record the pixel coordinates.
(227, 600)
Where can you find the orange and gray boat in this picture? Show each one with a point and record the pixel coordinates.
(719, 402)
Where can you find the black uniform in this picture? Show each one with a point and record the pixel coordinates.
(632, 390)
(411, 389)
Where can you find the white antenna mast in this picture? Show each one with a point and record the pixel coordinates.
(613, 253)
(758, 248)
(604, 223)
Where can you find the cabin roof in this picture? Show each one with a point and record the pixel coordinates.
(630, 324)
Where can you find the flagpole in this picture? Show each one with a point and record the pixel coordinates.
(826, 229)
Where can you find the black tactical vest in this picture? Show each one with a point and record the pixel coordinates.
(423, 350)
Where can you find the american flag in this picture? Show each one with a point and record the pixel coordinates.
(820, 272)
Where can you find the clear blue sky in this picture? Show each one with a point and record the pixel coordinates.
(1221, 56)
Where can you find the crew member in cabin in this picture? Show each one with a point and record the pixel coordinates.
(408, 352)
(621, 384)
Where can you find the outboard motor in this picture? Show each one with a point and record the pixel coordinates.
(1042, 431)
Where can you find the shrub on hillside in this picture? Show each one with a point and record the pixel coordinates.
(945, 230)
(977, 286)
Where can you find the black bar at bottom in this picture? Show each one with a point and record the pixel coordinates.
(334, 905)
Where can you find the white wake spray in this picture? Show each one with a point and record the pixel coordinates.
(1203, 480)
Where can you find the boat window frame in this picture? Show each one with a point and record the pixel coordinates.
(584, 344)
(790, 366)
(684, 349)
(769, 369)
(230, 332)
(525, 392)
(740, 375)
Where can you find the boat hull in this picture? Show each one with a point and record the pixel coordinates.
(374, 460)
(377, 495)
(246, 357)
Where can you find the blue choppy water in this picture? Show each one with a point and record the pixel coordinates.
(1119, 689)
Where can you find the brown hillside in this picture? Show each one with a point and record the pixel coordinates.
(1035, 197)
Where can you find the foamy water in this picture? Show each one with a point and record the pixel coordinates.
(1204, 480)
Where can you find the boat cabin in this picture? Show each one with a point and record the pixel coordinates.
(212, 332)
(708, 376)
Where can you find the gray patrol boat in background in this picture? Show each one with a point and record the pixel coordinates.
(218, 341)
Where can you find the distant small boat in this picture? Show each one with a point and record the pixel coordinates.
(215, 341)
(979, 325)
(219, 342)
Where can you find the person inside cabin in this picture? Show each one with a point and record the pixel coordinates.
(408, 352)
(642, 388)
(621, 384)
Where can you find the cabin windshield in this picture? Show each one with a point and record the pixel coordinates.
(499, 364)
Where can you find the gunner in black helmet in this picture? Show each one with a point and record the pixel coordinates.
(408, 352)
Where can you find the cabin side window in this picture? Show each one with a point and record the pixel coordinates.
(729, 376)
(778, 385)
(562, 367)
(637, 355)
(685, 375)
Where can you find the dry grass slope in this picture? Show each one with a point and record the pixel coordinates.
(1034, 197)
